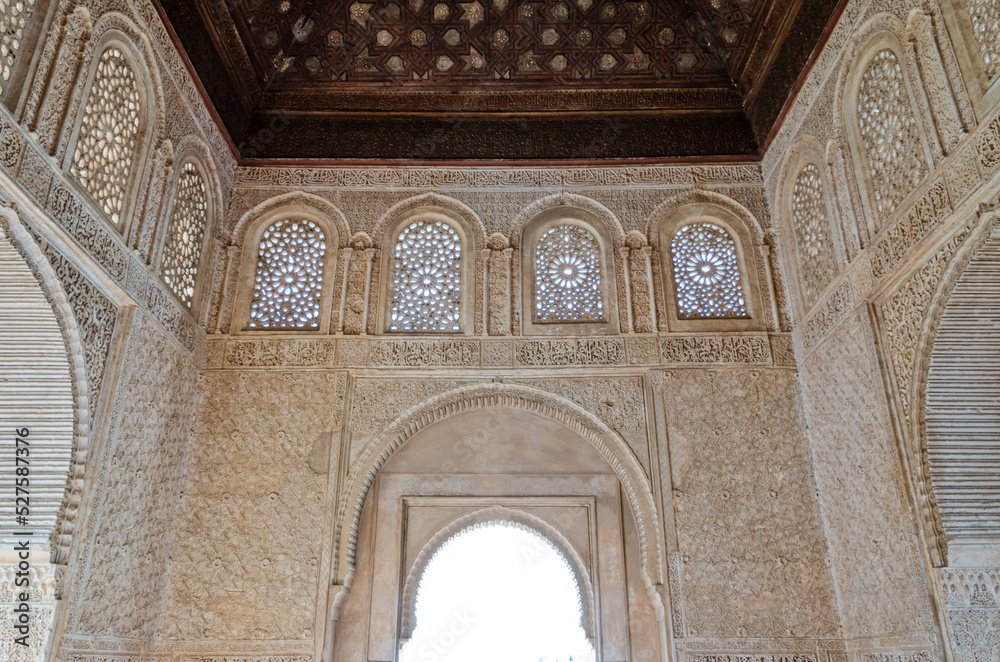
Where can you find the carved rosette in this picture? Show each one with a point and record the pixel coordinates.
(75, 34)
(639, 280)
(358, 270)
(498, 275)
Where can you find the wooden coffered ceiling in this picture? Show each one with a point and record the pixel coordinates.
(480, 80)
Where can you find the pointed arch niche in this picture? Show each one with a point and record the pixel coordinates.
(429, 273)
(885, 128)
(302, 240)
(486, 453)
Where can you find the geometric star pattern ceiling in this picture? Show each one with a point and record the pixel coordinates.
(433, 44)
(532, 79)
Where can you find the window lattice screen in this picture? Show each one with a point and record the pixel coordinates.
(707, 278)
(288, 283)
(109, 133)
(889, 133)
(985, 15)
(14, 17)
(568, 276)
(426, 278)
(185, 234)
(812, 233)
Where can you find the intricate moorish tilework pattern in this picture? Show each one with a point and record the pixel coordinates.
(426, 278)
(185, 234)
(288, 283)
(568, 276)
(707, 273)
(889, 133)
(109, 133)
(812, 233)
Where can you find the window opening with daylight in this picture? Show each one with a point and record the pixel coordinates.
(707, 276)
(812, 233)
(185, 234)
(14, 16)
(288, 283)
(889, 133)
(109, 133)
(985, 16)
(426, 278)
(497, 592)
(568, 276)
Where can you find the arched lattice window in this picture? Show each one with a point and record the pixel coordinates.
(185, 234)
(14, 16)
(109, 133)
(889, 133)
(985, 15)
(288, 283)
(707, 277)
(817, 265)
(568, 276)
(426, 278)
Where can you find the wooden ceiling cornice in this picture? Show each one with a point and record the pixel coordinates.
(516, 80)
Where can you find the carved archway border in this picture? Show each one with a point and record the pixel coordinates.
(190, 149)
(926, 506)
(501, 515)
(611, 228)
(17, 234)
(857, 44)
(112, 27)
(881, 31)
(321, 206)
(581, 202)
(430, 201)
(606, 441)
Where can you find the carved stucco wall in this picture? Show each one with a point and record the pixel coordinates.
(873, 557)
(117, 576)
(861, 373)
(250, 537)
(749, 534)
(742, 461)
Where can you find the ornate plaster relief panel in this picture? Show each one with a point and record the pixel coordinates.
(130, 526)
(748, 527)
(873, 559)
(249, 541)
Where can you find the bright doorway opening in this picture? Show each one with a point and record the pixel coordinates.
(497, 592)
